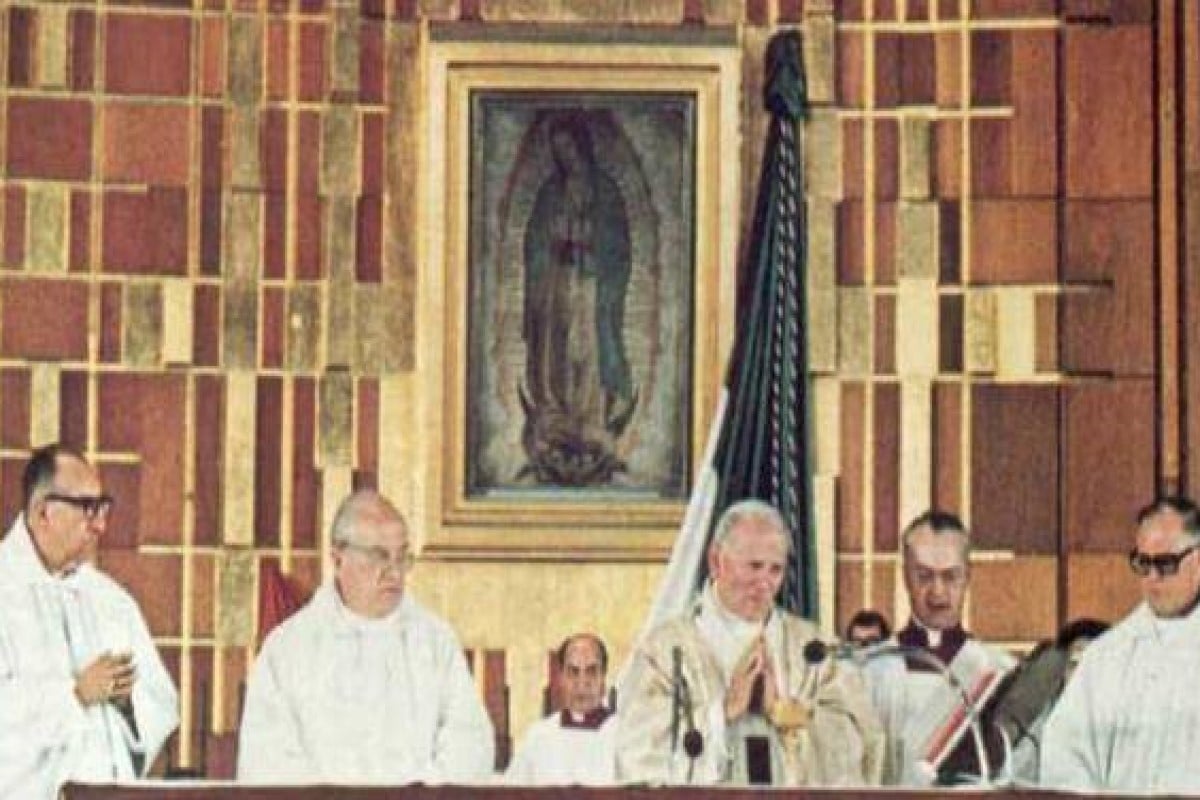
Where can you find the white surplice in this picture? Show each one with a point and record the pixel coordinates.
(553, 755)
(337, 698)
(51, 626)
(1129, 718)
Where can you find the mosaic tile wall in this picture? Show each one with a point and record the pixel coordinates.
(208, 266)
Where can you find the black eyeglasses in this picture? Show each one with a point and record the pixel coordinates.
(92, 505)
(1165, 564)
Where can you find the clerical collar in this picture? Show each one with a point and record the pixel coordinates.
(944, 644)
(590, 721)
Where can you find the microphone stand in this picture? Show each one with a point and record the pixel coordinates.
(682, 710)
(862, 656)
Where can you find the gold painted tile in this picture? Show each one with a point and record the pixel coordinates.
(245, 168)
(339, 151)
(917, 240)
(52, 46)
(399, 329)
(45, 397)
(915, 144)
(336, 419)
(339, 344)
(824, 488)
(916, 333)
(823, 150)
(854, 331)
(177, 302)
(240, 325)
(46, 227)
(723, 12)
(370, 335)
(820, 55)
(141, 315)
(823, 331)
(916, 446)
(237, 506)
(236, 597)
(304, 328)
(345, 49)
(406, 116)
(827, 425)
(243, 235)
(1016, 333)
(979, 332)
(245, 59)
(336, 483)
(402, 458)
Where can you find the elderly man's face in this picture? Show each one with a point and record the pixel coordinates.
(1173, 595)
(371, 568)
(582, 677)
(68, 521)
(936, 575)
(747, 570)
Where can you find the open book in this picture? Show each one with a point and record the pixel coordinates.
(950, 709)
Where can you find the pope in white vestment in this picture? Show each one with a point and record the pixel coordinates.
(363, 685)
(59, 618)
(737, 681)
(1129, 718)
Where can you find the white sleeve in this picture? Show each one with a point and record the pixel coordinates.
(464, 743)
(1069, 757)
(155, 700)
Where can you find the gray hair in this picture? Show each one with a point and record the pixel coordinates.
(939, 522)
(1181, 506)
(750, 508)
(359, 504)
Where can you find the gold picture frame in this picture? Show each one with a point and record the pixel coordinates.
(537, 83)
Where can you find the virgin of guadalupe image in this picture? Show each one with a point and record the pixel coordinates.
(578, 394)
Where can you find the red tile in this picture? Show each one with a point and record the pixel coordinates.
(275, 235)
(367, 409)
(306, 481)
(274, 330)
(374, 131)
(206, 326)
(10, 485)
(154, 582)
(369, 239)
(211, 214)
(79, 256)
(887, 70)
(73, 407)
(918, 69)
(146, 233)
(850, 481)
(372, 65)
(947, 448)
(268, 444)
(123, 482)
(210, 431)
(277, 59)
(991, 68)
(110, 322)
(885, 335)
(311, 60)
(309, 226)
(49, 138)
(146, 143)
(15, 395)
(22, 37)
(82, 26)
(273, 149)
(212, 57)
(14, 226)
(28, 307)
(886, 468)
(135, 40)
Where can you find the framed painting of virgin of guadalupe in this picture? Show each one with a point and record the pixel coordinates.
(587, 291)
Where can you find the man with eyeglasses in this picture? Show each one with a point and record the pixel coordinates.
(935, 548)
(363, 685)
(84, 695)
(1129, 719)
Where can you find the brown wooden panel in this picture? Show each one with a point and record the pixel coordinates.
(1015, 600)
(991, 158)
(1101, 586)
(991, 68)
(268, 444)
(948, 52)
(947, 446)
(918, 68)
(886, 469)
(1108, 469)
(887, 70)
(15, 409)
(1108, 323)
(950, 333)
(1014, 454)
(850, 478)
(1110, 116)
(1014, 241)
(154, 580)
(850, 75)
(947, 159)
(1035, 123)
(885, 335)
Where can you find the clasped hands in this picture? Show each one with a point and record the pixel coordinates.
(785, 714)
(108, 679)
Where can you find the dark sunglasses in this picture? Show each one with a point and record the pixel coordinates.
(1166, 564)
(92, 506)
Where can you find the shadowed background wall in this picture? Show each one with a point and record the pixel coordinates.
(208, 266)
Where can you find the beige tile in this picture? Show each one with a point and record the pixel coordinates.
(916, 328)
(823, 155)
(177, 305)
(917, 240)
(336, 419)
(240, 342)
(854, 331)
(979, 332)
(46, 227)
(245, 59)
(237, 568)
(243, 236)
(52, 46)
(45, 407)
(237, 506)
(820, 56)
(141, 315)
(915, 143)
(1016, 333)
(916, 446)
(345, 49)
(340, 152)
